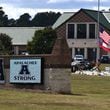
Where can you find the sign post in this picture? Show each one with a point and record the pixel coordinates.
(1, 71)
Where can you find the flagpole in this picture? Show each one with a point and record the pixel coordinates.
(98, 24)
(98, 17)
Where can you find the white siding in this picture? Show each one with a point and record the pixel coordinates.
(72, 43)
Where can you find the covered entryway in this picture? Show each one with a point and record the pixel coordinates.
(91, 54)
(79, 51)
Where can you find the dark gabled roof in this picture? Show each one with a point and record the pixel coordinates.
(91, 13)
(107, 15)
(94, 15)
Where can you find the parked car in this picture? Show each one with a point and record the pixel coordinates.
(79, 57)
(105, 59)
(80, 65)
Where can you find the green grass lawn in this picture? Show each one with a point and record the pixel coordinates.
(88, 93)
(102, 66)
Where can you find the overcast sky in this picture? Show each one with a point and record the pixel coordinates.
(15, 8)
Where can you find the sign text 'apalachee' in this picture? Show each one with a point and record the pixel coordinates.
(25, 62)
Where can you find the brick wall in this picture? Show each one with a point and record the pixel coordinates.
(54, 79)
(50, 60)
(81, 17)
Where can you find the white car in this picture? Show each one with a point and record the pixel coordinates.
(78, 57)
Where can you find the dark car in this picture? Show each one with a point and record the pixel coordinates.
(105, 59)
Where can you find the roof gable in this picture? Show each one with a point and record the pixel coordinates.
(107, 16)
(102, 19)
(65, 16)
(91, 13)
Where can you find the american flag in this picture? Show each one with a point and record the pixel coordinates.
(105, 36)
(104, 45)
(104, 40)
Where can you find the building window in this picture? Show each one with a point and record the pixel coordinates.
(70, 31)
(91, 31)
(81, 31)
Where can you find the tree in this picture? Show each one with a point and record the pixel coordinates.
(45, 19)
(24, 20)
(11, 22)
(42, 42)
(3, 19)
(5, 44)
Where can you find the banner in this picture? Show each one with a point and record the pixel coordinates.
(25, 70)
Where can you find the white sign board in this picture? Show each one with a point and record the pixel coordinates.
(25, 70)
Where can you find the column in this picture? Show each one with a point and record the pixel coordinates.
(98, 53)
(16, 50)
(85, 53)
(73, 52)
